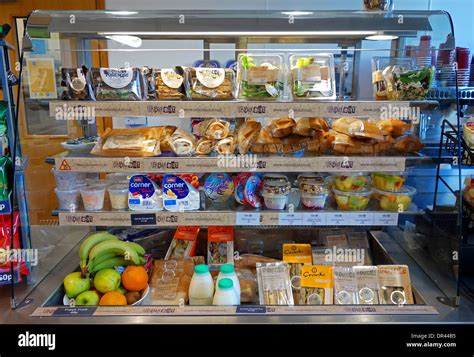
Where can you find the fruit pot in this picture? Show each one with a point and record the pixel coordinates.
(352, 201)
(395, 201)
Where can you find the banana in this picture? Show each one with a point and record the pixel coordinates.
(138, 248)
(118, 247)
(110, 263)
(88, 243)
(99, 259)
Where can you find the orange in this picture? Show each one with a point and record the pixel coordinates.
(134, 278)
(113, 298)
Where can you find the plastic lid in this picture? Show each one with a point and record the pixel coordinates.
(364, 192)
(201, 269)
(403, 191)
(96, 188)
(345, 174)
(74, 190)
(225, 284)
(227, 269)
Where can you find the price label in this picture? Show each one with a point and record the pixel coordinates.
(251, 310)
(74, 311)
(336, 219)
(361, 219)
(314, 219)
(290, 219)
(143, 219)
(247, 219)
(385, 219)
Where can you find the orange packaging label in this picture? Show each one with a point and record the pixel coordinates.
(297, 253)
(187, 232)
(220, 233)
(317, 276)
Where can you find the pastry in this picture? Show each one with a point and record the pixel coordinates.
(204, 146)
(281, 127)
(182, 143)
(309, 126)
(248, 135)
(213, 129)
(226, 146)
(265, 137)
(409, 143)
(358, 128)
(393, 126)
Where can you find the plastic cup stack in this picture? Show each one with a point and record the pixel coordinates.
(463, 57)
(471, 79)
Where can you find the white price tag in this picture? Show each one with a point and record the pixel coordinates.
(362, 219)
(385, 219)
(290, 219)
(247, 219)
(314, 219)
(336, 219)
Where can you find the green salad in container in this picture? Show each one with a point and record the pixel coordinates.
(260, 76)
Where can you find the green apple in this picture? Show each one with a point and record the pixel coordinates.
(107, 280)
(122, 290)
(74, 284)
(88, 298)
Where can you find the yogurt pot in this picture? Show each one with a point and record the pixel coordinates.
(352, 201)
(275, 201)
(118, 194)
(68, 199)
(313, 194)
(309, 177)
(66, 180)
(274, 178)
(93, 197)
(395, 201)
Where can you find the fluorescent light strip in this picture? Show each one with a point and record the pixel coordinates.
(240, 33)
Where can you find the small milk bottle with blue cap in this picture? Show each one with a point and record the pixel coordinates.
(228, 271)
(201, 288)
(225, 293)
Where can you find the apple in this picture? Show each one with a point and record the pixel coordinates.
(74, 284)
(88, 298)
(107, 280)
(122, 290)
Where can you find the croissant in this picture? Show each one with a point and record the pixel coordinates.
(204, 146)
(248, 135)
(281, 127)
(226, 146)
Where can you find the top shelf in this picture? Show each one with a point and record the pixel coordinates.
(210, 109)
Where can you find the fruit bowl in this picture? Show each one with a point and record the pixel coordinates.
(146, 292)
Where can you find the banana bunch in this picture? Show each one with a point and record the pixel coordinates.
(103, 250)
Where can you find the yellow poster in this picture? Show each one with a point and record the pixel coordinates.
(41, 78)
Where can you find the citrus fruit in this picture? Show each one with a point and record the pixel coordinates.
(113, 298)
(134, 278)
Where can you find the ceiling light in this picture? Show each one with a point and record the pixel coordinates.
(240, 33)
(381, 37)
(131, 41)
(297, 13)
(121, 13)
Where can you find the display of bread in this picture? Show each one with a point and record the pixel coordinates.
(247, 135)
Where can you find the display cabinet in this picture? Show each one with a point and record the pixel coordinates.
(225, 114)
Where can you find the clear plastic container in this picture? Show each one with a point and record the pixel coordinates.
(395, 201)
(68, 199)
(312, 76)
(313, 194)
(309, 177)
(275, 201)
(352, 201)
(118, 194)
(67, 180)
(261, 76)
(388, 181)
(379, 65)
(351, 181)
(93, 197)
(274, 178)
(117, 177)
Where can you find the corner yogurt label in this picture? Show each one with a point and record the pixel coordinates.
(116, 77)
(143, 194)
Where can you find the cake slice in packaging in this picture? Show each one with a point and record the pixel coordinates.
(117, 84)
(297, 255)
(316, 285)
(395, 285)
(183, 244)
(170, 83)
(345, 286)
(180, 193)
(220, 246)
(210, 83)
(274, 286)
(367, 285)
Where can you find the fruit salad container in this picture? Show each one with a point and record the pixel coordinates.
(313, 194)
(388, 181)
(275, 194)
(352, 201)
(118, 194)
(395, 201)
(68, 199)
(351, 182)
(261, 77)
(93, 197)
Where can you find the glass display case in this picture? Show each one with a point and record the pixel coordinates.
(302, 148)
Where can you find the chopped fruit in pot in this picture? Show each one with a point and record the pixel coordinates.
(350, 183)
(352, 201)
(395, 201)
(388, 181)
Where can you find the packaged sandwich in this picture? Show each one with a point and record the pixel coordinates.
(316, 285)
(248, 285)
(274, 286)
(170, 83)
(395, 285)
(260, 76)
(247, 135)
(182, 143)
(310, 126)
(117, 84)
(312, 76)
(220, 246)
(75, 81)
(280, 127)
(134, 142)
(297, 255)
(345, 286)
(367, 285)
(183, 244)
(210, 83)
(393, 126)
(170, 281)
(357, 128)
(215, 129)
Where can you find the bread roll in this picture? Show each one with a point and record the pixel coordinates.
(281, 127)
(393, 126)
(357, 128)
(310, 126)
(248, 135)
